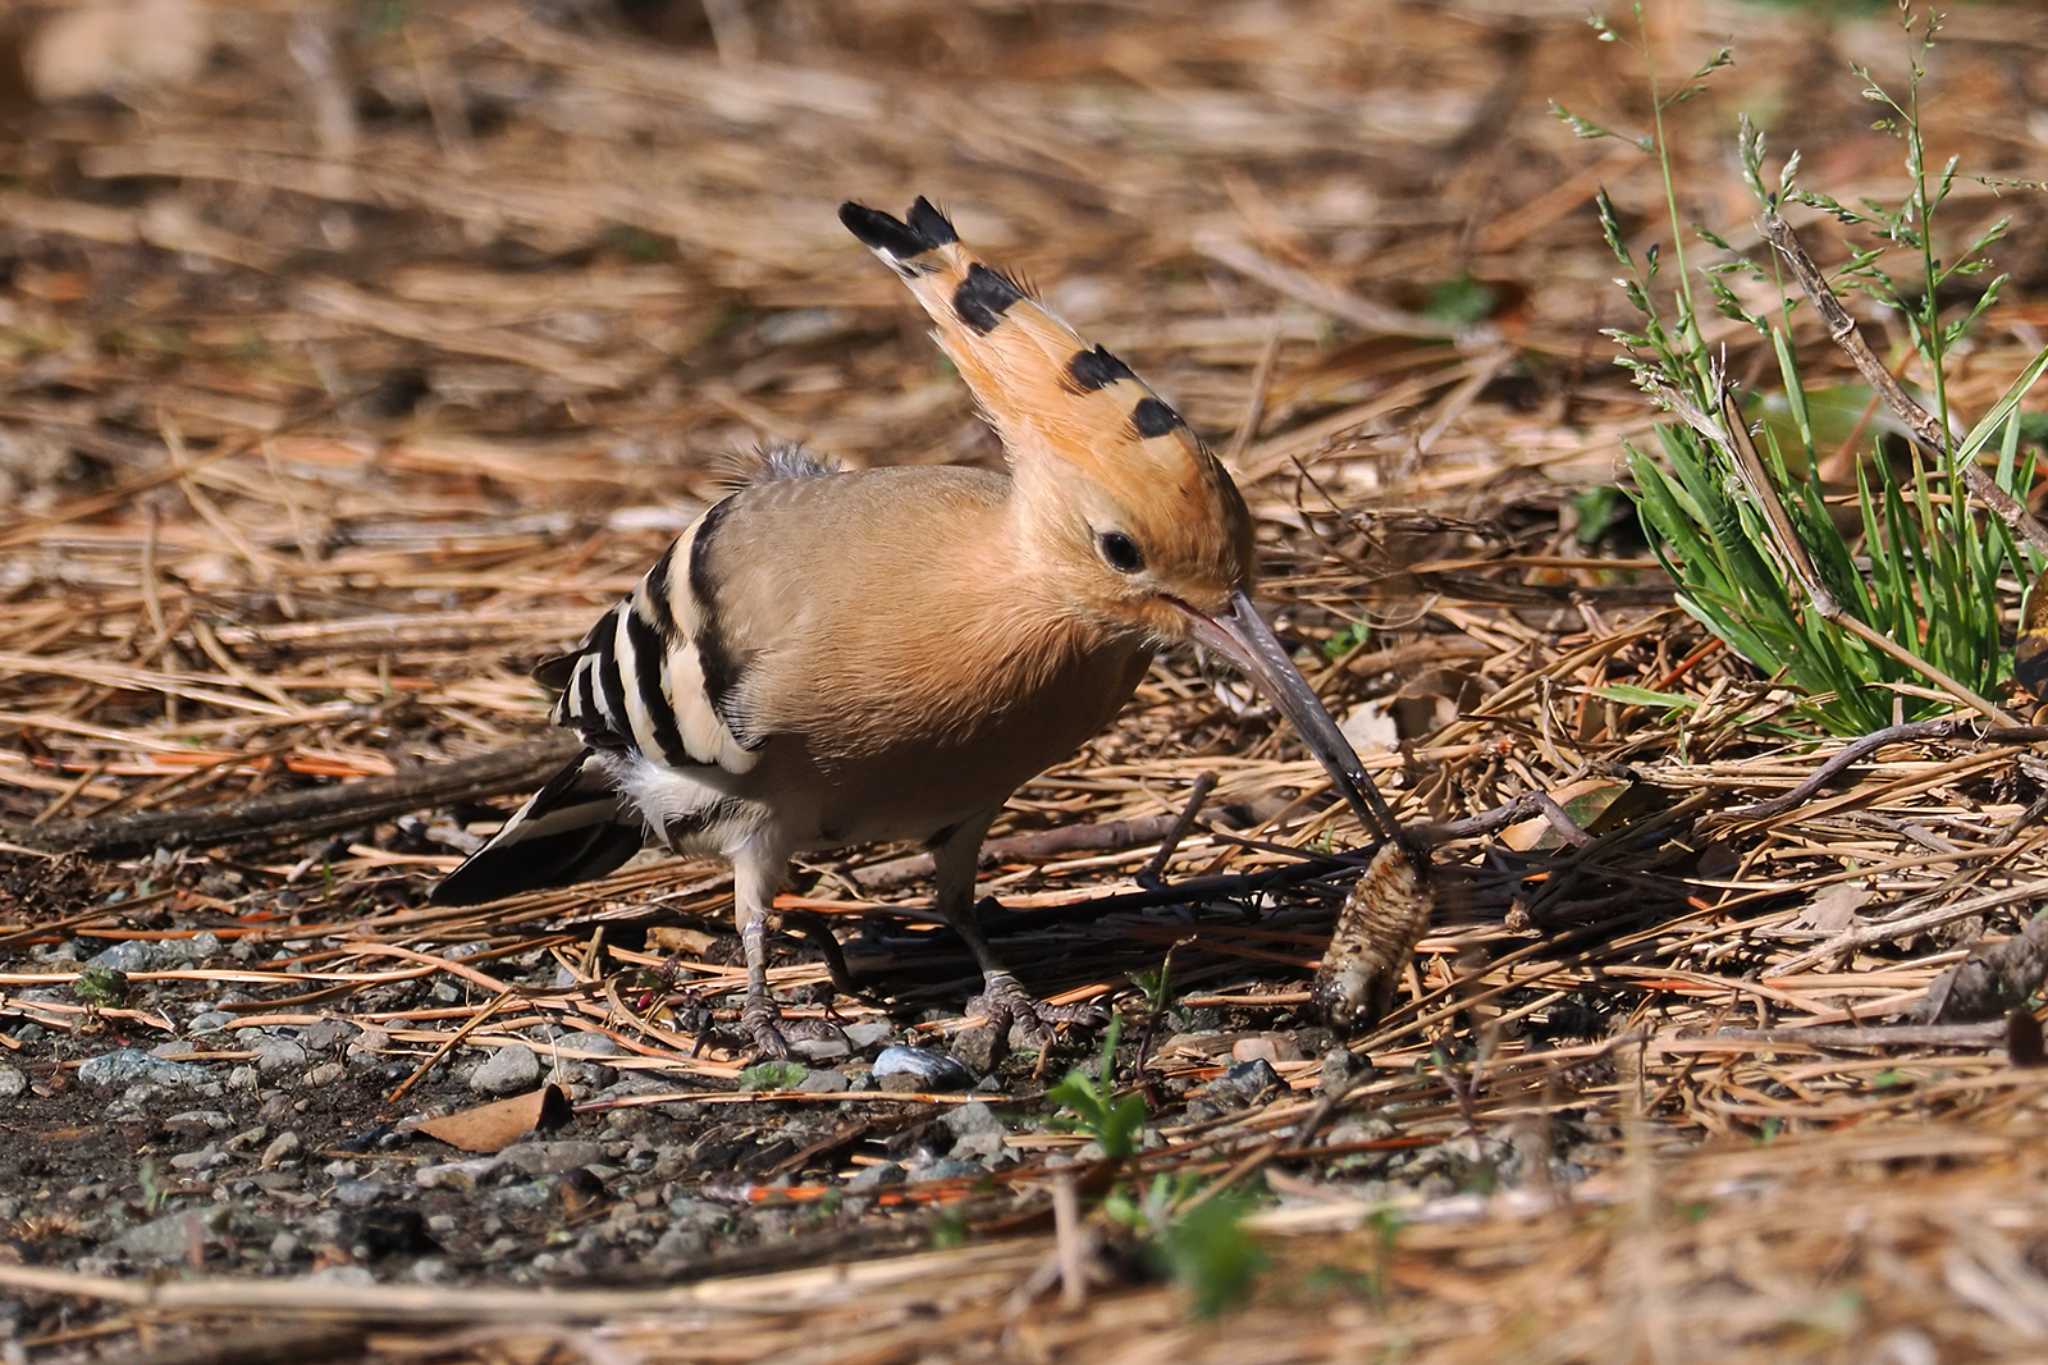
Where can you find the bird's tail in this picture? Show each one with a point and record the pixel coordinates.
(571, 830)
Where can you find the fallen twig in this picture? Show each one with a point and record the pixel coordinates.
(301, 814)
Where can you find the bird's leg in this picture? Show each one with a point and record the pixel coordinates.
(1002, 1001)
(755, 880)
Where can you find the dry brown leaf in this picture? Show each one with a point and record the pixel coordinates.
(496, 1126)
(1834, 909)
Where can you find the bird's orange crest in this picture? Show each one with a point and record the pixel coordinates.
(1049, 393)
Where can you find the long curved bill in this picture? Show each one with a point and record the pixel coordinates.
(1242, 636)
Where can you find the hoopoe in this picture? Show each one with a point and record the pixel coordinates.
(828, 658)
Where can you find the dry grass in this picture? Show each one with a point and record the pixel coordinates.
(342, 388)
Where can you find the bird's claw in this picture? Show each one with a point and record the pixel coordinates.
(758, 1020)
(1003, 1002)
(771, 1034)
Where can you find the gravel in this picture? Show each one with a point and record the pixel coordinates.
(126, 1066)
(172, 1235)
(276, 1056)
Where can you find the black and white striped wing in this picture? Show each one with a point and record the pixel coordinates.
(654, 677)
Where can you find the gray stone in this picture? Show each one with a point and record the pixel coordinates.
(242, 1078)
(458, 1175)
(552, 1158)
(952, 1168)
(507, 1071)
(284, 1246)
(126, 1066)
(821, 1049)
(986, 1147)
(356, 1194)
(1245, 1082)
(967, 1120)
(171, 1235)
(978, 1049)
(276, 1056)
(1340, 1071)
(204, 1159)
(203, 946)
(210, 1021)
(865, 1033)
(134, 955)
(874, 1177)
(325, 1074)
(824, 1081)
(527, 1194)
(933, 1070)
(12, 1082)
(326, 1034)
(198, 1122)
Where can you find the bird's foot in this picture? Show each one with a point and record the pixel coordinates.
(772, 1035)
(1003, 1003)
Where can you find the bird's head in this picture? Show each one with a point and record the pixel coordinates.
(1129, 520)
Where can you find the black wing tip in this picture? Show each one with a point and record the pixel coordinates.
(926, 228)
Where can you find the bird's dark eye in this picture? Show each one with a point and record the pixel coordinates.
(1121, 552)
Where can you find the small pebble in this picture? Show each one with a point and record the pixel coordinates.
(874, 1177)
(282, 1147)
(327, 1034)
(507, 1071)
(1340, 1068)
(932, 1070)
(821, 1049)
(275, 1056)
(1245, 1082)
(199, 1160)
(865, 1033)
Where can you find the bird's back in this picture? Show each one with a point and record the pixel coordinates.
(861, 647)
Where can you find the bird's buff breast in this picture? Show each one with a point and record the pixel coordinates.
(939, 776)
